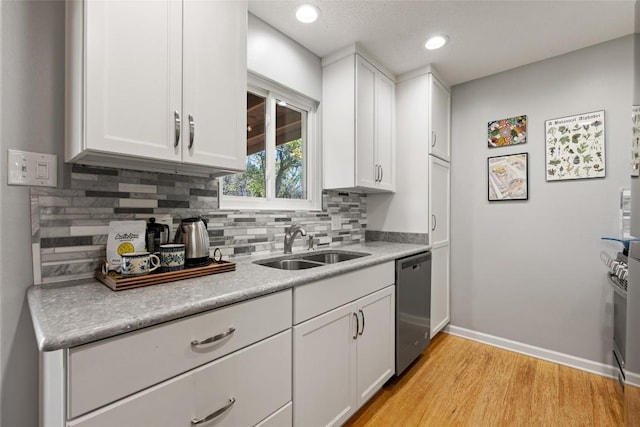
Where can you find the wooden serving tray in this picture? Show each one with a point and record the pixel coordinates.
(118, 283)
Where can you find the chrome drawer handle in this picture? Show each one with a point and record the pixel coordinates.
(192, 131)
(355, 336)
(362, 313)
(214, 338)
(177, 124)
(215, 414)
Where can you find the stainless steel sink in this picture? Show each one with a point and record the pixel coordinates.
(310, 260)
(332, 257)
(290, 264)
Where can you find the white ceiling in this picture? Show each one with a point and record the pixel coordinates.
(486, 37)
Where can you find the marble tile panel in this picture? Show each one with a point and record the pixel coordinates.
(137, 188)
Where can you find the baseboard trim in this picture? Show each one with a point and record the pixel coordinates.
(533, 351)
(631, 378)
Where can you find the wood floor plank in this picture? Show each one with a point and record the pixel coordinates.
(459, 382)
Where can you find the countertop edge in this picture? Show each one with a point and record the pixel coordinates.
(49, 339)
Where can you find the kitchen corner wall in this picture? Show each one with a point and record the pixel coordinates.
(530, 271)
(31, 119)
(70, 226)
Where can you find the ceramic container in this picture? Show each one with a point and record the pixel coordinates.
(138, 263)
(172, 257)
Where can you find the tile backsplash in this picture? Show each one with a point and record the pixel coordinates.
(70, 226)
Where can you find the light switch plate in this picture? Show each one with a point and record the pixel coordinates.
(336, 222)
(37, 169)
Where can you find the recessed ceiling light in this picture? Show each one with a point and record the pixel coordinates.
(435, 42)
(307, 13)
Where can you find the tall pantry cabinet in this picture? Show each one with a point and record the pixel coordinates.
(423, 150)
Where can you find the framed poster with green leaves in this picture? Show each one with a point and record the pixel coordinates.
(575, 147)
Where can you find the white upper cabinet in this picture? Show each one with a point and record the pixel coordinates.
(357, 125)
(157, 85)
(440, 106)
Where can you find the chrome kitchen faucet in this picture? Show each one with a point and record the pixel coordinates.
(290, 235)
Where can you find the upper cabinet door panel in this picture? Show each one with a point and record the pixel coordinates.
(440, 105)
(215, 83)
(365, 123)
(384, 128)
(133, 77)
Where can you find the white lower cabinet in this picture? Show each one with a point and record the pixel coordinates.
(241, 389)
(440, 307)
(341, 358)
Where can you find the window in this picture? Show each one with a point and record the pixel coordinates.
(282, 162)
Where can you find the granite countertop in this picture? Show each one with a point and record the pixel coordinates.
(81, 311)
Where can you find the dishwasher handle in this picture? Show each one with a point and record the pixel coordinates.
(415, 261)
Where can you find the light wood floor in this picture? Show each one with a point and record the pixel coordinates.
(459, 382)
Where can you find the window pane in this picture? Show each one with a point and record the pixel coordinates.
(290, 148)
(251, 182)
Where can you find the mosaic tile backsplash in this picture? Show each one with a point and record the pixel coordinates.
(70, 226)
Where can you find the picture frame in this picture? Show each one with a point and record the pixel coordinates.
(508, 177)
(635, 141)
(575, 147)
(506, 132)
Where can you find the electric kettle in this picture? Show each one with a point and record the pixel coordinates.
(193, 233)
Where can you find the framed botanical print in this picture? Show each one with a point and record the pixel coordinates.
(575, 147)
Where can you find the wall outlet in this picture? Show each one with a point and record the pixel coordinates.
(336, 222)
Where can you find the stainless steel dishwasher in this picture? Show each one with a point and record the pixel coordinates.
(413, 308)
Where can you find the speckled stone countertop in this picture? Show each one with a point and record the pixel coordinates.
(81, 311)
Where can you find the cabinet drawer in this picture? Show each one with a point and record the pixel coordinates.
(102, 372)
(319, 297)
(257, 377)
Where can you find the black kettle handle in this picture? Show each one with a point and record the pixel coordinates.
(206, 225)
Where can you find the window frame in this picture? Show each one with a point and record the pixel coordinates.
(274, 92)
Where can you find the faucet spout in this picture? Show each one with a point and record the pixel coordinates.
(290, 235)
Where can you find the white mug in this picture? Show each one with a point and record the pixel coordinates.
(138, 263)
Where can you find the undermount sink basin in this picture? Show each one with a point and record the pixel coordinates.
(290, 264)
(310, 260)
(332, 257)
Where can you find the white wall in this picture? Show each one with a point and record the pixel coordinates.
(530, 271)
(273, 55)
(31, 118)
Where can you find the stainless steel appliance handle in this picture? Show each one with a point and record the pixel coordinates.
(192, 131)
(177, 125)
(434, 137)
(355, 336)
(433, 222)
(362, 314)
(214, 338)
(215, 414)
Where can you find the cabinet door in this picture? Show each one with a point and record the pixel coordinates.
(365, 123)
(376, 342)
(439, 287)
(439, 119)
(384, 132)
(133, 60)
(257, 378)
(439, 200)
(324, 368)
(215, 84)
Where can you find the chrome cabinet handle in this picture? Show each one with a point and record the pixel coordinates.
(355, 336)
(215, 414)
(192, 131)
(434, 137)
(361, 313)
(214, 338)
(433, 222)
(381, 173)
(177, 124)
